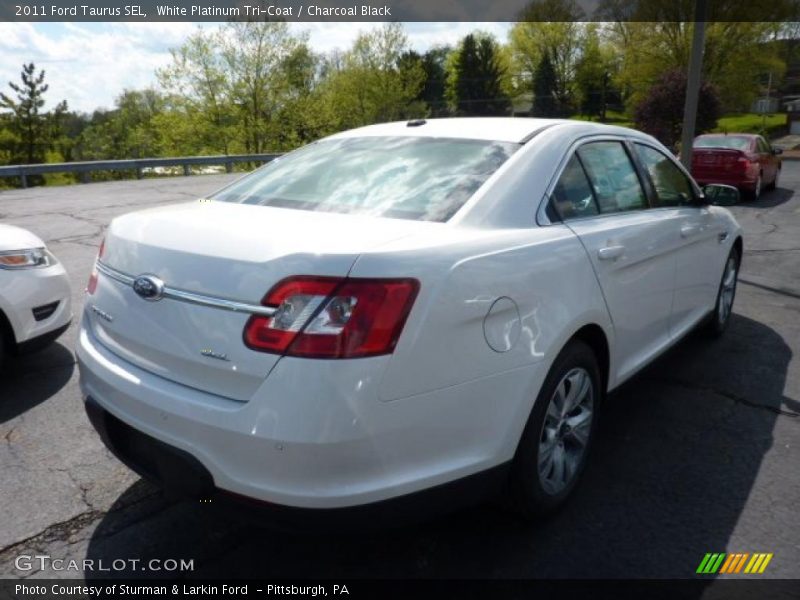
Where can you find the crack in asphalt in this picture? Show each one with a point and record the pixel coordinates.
(725, 394)
(58, 532)
(64, 530)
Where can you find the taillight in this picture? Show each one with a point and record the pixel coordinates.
(91, 285)
(743, 164)
(324, 317)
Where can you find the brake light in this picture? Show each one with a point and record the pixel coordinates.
(91, 285)
(324, 317)
(743, 163)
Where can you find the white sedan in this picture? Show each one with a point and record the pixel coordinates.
(35, 293)
(401, 308)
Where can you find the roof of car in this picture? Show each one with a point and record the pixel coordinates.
(501, 129)
(744, 135)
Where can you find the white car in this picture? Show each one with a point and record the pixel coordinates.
(400, 308)
(35, 296)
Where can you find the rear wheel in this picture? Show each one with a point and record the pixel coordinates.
(774, 183)
(719, 319)
(555, 443)
(755, 193)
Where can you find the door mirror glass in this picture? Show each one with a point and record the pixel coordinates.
(719, 194)
(777, 150)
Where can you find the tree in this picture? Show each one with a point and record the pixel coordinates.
(477, 78)
(374, 81)
(433, 91)
(660, 113)
(554, 27)
(27, 121)
(545, 103)
(736, 54)
(593, 73)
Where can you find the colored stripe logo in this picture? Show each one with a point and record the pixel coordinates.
(733, 563)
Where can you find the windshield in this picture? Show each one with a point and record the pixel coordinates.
(734, 142)
(426, 179)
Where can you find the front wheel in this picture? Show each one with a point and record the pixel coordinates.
(552, 453)
(719, 319)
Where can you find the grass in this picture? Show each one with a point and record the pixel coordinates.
(770, 126)
(751, 123)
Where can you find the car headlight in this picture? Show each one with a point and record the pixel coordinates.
(25, 259)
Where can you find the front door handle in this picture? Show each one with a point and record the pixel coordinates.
(610, 252)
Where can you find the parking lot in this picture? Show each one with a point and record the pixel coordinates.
(698, 454)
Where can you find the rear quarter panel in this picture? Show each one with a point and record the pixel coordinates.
(545, 271)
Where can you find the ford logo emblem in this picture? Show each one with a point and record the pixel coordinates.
(149, 287)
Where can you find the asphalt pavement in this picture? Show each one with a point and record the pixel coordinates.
(698, 454)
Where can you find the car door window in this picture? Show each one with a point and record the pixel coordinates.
(612, 176)
(572, 197)
(671, 184)
(762, 145)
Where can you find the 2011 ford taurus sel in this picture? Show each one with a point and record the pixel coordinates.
(399, 308)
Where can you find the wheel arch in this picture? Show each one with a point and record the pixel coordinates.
(738, 245)
(6, 331)
(595, 337)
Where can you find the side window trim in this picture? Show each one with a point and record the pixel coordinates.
(696, 191)
(542, 217)
(552, 212)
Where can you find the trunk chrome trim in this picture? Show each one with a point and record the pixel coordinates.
(191, 297)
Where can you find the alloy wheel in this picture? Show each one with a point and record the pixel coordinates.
(566, 430)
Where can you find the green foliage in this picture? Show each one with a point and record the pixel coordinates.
(545, 102)
(374, 81)
(553, 28)
(736, 59)
(660, 113)
(27, 123)
(768, 125)
(476, 81)
(259, 86)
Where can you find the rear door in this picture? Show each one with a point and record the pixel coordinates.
(601, 199)
(697, 234)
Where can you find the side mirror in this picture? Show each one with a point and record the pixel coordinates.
(720, 194)
(777, 150)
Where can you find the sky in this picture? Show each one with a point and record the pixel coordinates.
(89, 64)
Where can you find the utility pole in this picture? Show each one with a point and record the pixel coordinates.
(693, 83)
(765, 108)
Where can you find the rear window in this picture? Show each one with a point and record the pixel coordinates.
(425, 179)
(733, 142)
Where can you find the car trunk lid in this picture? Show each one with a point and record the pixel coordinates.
(224, 252)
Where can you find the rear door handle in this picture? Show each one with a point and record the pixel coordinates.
(610, 252)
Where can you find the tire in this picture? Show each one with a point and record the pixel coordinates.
(774, 183)
(723, 308)
(755, 193)
(536, 487)
(3, 348)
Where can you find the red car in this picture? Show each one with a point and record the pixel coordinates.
(744, 160)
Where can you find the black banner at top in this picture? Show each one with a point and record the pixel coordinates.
(394, 10)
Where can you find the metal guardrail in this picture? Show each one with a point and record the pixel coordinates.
(136, 164)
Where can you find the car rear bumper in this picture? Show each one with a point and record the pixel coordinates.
(182, 475)
(739, 181)
(318, 439)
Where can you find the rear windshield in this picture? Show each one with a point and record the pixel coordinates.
(425, 179)
(734, 142)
